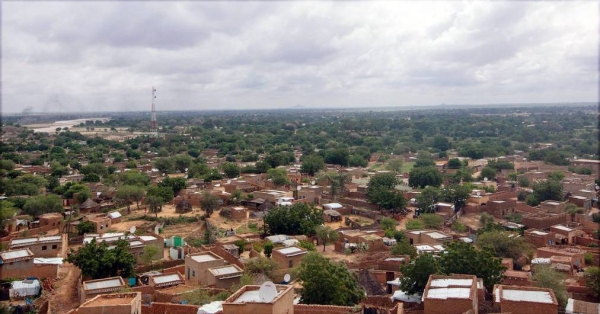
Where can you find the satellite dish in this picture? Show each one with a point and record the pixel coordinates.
(267, 292)
(478, 193)
(299, 188)
(132, 229)
(312, 182)
(228, 181)
(287, 278)
(485, 179)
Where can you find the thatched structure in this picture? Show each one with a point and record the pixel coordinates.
(183, 207)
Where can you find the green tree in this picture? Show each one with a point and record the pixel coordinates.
(182, 162)
(209, 203)
(312, 164)
(42, 204)
(268, 249)
(432, 221)
(261, 265)
(556, 175)
(327, 283)
(337, 182)
(326, 234)
(441, 142)
(278, 176)
(198, 170)
(427, 198)
(547, 277)
(176, 184)
(454, 163)
(164, 165)
(547, 190)
(463, 258)
(155, 204)
(486, 219)
(130, 193)
(395, 164)
(231, 170)
(151, 253)
(420, 177)
(414, 224)
(404, 248)
(300, 218)
(85, 227)
(592, 280)
(7, 211)
(505, 244)
(415, 275)
(388, 223)
(96, 260)
(164, 192)
(487, 172)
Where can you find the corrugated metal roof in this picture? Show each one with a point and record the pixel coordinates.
(292, 250)
(103, 284)
(449, 293)
(227, 270)
(203, 258)
(48, 261)
(166, 278)
(15, 254)
(527, 296)
(451, 282)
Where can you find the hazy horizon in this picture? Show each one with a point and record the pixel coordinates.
(106, 56)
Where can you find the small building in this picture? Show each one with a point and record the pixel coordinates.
(500, 208)
(516, 278)
(334, 206)
(89, 206)
(116, 303)
(539, 238)
(288, 257)
(239, 213)
(427, 237)
(454, 294)
(114, 216)
(92, 288)
(197, 265)
(166, 280)
(50, 219)
(331, 215)
(566, 235)
(102, 224)
(16, 263)
(247, 301)
(525, 300)
(223, 277)
(581, 307)
(554, 207)
(433, 249)
(41, 246)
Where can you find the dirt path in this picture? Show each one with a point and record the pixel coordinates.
(64, 297)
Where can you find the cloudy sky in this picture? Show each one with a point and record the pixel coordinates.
(106, 56)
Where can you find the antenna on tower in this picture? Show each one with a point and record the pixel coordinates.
(153, 125)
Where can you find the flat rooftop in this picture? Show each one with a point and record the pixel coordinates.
(112, 299)
(451, 282)
(166, 278)
(108, 283)
(449, 293)
(291, 251)
(228, 270)
(526, 296)
(204, 258)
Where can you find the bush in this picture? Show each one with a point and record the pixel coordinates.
(432, 221)
(588, 257)
(309, 246)
(414, 224)
(457, 226)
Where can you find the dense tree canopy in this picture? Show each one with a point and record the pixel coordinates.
(300, 218)
(96, 260)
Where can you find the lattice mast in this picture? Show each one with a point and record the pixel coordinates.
(153, 125)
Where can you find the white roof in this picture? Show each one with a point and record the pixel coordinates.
(437, 235)
(23, 241)
(147, 238)
(527, 296)
(539, 232)
(394, 259)
(203, 258)
(227, 270)
(451, 282)
(15, 254)
(277, 238)
(540, 260)
(103, 284)
(165, 278)
(114, 215)
(333, 205)
(250, 296)
(290, 242)
(291, 251)
(466, 239)
(448, 293)
(553, 203)
(561, 227)
(401, 296)
(48, 261)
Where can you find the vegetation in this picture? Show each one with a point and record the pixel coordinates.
(327, 283)
(547, 277)
(381, 191)
(592, 280)
(96, 260)
(326, 234)
(297, 219)
(505, 244)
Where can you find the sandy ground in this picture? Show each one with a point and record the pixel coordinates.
(64, 297)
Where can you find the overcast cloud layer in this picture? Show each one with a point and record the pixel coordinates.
(105, 56)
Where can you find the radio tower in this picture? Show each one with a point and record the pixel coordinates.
(153, 126)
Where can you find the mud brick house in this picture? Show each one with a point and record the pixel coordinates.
(591, 164)
(577, 255)
(247, 301)
(197, 265)
(166, 280)
(566, 235)
(50, 219)
(117, 303)
(427, 237)
(224, 277)
(525, 300)
(516, 278)
(501, 208)
(540, 238)
(41, 246)
(288, 257)
(542, 220)
(311, 194)
(91, 288)
(553, 207)
(101, 224)
(16, 263)
(455, 294)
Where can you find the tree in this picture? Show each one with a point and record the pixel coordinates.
(209, 203)
(7, 211)
(155, 204)
(261, 265)
(96, 260)
(454, 163)
(487, 172)
(42, 204)
(414, 224)
(556, 175)
(415, 275)
(463, 258)
(337, 182)
(404, 248)
(300, 218)
(424, 160)
(327, 283)
(176, 184)
(130, 193)
(388, 223)
(357, 161)
(164, 192)
(592, 280)
(547, 277)
(573, 210)
(231, 170)
(151, 253)
(441, 142)
(420, 177)
(325, 234)
(182, 162)
(198, 170)
(504, 244)
(312, 164)
(164, 165)
(432, 221)
(268, 249)
(455, 194)
(278, 176)
(547, 190)
(380, 191)
(427, 198)
(486, 219)
(85, 227)
(394, 164)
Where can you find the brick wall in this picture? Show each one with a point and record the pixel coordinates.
(325, 309)
(161, 265)
(523, 207)
(358, 203)
(502, 196)
(169, 308)
(472, 209)
(543, 222)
